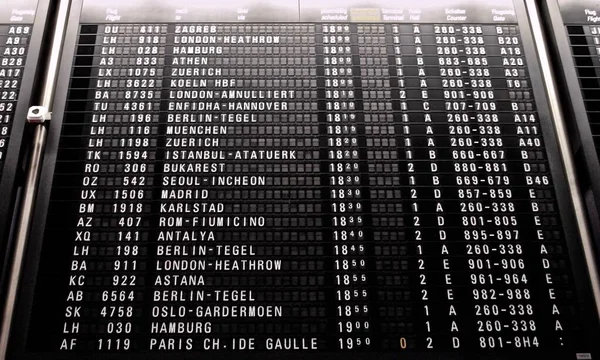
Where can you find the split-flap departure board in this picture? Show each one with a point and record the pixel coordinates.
(294, 180)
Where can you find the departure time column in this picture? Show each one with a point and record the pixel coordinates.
(347, 220)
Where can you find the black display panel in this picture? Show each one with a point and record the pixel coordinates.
(576, 40)
(302, 180)
(22, 24)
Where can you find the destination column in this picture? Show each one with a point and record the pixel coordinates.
(238, 261)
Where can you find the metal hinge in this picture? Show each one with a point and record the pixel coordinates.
(38, 115)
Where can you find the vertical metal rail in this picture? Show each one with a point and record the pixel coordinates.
(565, 149)
(33, 173)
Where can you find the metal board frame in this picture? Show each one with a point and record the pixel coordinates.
(12, 178)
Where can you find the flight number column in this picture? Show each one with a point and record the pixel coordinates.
(106, 279)
(139, 83)
(14, 40)
(347, 219)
